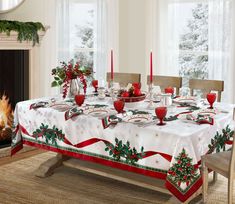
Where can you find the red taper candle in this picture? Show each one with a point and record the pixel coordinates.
(151, 67)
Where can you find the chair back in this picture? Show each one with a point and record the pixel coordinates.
(166, 81)
(124, 78)
(207, 86)
(232, 159)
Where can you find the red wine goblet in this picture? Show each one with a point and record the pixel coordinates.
(95, 85)
(161, 114)
(79, 99)
(211, 97)
(119, 105)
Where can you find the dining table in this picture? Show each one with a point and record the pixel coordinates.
(131, 140)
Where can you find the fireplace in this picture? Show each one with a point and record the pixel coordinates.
(20, 69)
(14, 87)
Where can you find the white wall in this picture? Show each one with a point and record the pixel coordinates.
(40, 10)
(133, 50)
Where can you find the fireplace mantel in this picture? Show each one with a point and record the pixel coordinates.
(11, 41)
(35, 64)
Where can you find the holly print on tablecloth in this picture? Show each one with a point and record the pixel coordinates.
(120, 150)
(51, 135)
(218, 143)
(183, 171)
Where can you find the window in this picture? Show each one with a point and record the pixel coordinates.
(87, 30)
(192, 37)
(82, 20)
(75, 22)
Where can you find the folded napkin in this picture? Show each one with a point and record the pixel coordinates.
(40, 104)
(114, 119)
(201, 119)
(75, 111)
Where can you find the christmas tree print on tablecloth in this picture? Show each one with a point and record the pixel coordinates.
(183, 171)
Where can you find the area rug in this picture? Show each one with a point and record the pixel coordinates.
(69, 186)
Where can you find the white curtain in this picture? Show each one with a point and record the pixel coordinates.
(106, 36)
(63, 29)
(166, 39)
(221, 46)
(101, 43)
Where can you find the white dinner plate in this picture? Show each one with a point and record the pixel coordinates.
(207, 112)
(138, 118)
(96, 111)
(182, 100)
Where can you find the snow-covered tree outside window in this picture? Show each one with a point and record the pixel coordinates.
(82, 31)
(193, 45)
(190, 27)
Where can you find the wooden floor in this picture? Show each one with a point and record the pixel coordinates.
(69, 186)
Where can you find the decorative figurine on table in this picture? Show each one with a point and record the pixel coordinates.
(71, 76)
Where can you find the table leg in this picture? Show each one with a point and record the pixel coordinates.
(47, 168)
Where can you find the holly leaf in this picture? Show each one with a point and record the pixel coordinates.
(54, 84)
(56, 78)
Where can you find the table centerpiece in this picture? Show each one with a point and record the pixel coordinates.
(71, 76)
(132, 95)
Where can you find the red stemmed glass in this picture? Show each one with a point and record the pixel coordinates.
(79, 99)
(211, 97)
(95, 85)
(161, 114)
(119, 105)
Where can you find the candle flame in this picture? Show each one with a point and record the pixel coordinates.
(6, 113)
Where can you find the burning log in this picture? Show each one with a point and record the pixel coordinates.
(6, 119)
(5, 134)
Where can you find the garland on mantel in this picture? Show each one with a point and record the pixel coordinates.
(27, 31)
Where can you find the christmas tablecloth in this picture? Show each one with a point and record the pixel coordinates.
(171, 152)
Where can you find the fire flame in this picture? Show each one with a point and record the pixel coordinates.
(6, 113)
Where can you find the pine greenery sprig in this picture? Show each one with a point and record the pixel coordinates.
(27, 31)
(51, 134)
(120, 150)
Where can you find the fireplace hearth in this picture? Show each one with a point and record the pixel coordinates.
(14, 87)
